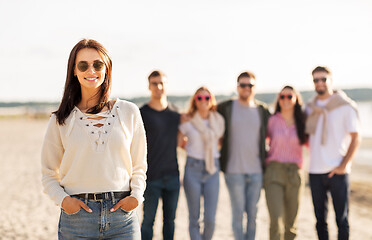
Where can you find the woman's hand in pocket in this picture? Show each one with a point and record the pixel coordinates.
(128, 204)
(72, 205)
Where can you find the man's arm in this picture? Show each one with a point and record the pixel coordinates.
(354, 144)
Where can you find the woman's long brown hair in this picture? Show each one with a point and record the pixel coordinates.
(299, 115)
(72, 92)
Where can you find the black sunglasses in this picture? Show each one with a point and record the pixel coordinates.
(316, 80)
(155, 84)
(244, 85)
(283, 96)
(97, 65)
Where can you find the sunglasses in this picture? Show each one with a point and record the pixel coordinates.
(97, 65)
(283, 96)
(316, 80)
(201, 97)
(155, 84)
(244, 85)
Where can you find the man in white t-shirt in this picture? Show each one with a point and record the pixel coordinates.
(333, 126)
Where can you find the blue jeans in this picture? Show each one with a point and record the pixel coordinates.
(167, 188)
(339, 187)
(100, 224)
(244, 190)
(197, 183)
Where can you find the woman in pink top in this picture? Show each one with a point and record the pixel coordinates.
(283, 178)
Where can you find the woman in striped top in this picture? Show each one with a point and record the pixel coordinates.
(283, 177)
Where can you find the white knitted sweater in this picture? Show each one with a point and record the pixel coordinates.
(78, 157)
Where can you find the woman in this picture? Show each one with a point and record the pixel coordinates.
(94, 152)
(201, 178)
(283, 178)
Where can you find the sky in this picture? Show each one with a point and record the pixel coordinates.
(194, 42)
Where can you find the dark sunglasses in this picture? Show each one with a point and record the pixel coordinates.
(283, 96)
(201, 97)
(97, 65)
(155, 84)
(244, 85)
(316, 80)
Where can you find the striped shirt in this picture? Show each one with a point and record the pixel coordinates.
(285, 146)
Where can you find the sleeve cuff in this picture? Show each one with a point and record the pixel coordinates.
(60, 198)
(138, 196)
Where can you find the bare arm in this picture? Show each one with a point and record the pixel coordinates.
(182, 140)
(354, 144)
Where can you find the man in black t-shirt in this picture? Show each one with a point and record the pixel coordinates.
(161, 122)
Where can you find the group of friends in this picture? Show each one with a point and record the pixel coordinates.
(102, 158)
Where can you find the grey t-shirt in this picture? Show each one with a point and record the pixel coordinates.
(244, 140)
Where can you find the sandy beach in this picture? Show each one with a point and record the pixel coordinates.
(27, 213)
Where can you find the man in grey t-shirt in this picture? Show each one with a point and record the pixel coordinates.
(243, 153)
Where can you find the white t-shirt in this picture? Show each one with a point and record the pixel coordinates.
(195, 145)
(340, 123)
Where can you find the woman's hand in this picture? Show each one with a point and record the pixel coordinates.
(71, 205)
(128, 204)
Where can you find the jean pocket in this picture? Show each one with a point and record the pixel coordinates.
(71, 214)
(125, 211)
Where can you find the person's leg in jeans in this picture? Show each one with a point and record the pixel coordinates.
(340, 190)
(210, 193)
(192, 184)
(252, 191)
(318, 185)
(121, 224)
(236, 186)
(150, 205)
(170, 195)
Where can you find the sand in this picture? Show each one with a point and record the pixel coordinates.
(27, 213)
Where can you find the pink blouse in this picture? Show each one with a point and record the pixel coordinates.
(285, 146)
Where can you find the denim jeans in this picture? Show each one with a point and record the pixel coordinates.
(199, 183)
(244, 190)
(167, 188)
(100, 224)
(339, 187)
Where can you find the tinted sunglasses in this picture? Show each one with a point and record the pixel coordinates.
(97, 65)
(283, 96)
(244, 85)
(201, 97)
(316, 80)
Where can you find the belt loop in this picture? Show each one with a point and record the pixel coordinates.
(86, 198)
(106, 196)
(113, 197)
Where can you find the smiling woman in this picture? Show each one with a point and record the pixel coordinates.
(283, 179)
(90, 71)
(201, 178)
(78, 87)
(94, 152)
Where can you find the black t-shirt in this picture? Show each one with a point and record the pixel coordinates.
(161, 132)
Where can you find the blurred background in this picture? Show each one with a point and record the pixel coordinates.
(195, 43)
